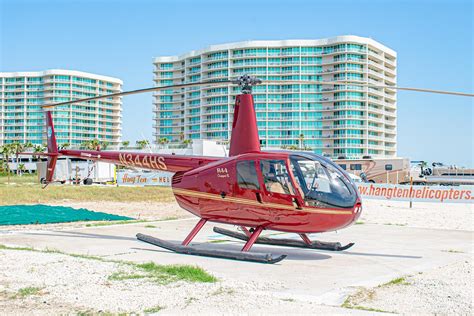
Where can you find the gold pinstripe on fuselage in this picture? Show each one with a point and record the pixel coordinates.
(217, 197)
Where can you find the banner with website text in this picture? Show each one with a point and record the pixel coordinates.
(421, 193)
(159, 178)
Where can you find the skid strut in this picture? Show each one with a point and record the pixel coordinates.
(243, 255)
(306, 243)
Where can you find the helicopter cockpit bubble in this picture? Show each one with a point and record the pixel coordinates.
(324, 185)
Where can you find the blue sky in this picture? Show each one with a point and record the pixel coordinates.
(433, 39)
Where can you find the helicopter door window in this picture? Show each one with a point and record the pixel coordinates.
(276, 177)
(247, 175)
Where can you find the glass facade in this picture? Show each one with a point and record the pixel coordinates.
(332, 119)
(22, 117)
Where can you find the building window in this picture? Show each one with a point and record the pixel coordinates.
(356, 166)
(388, 167)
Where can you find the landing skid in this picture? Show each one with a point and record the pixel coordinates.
(225, 254)
(333, 246)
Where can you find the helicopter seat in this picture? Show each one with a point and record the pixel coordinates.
(275, 186)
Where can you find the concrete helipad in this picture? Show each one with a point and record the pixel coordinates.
(381, 253)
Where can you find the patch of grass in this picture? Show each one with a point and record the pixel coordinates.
(395, 224)
(162, 274)
(352, 301)
(359, 223)
(109, 223)
(120, 276)
(167, 273)
(20, 191)
(453, 251)
(101, 313)
(16, 248)
(189, 300)
(218, 241)
(28, 291)
(368, 309)
(222, 290)
(288, 299)
(397, 281)
(153, 310)
(150, 226)
(169, 218)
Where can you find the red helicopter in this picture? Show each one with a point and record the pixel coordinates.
(293, 192)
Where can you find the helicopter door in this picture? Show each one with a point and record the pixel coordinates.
(277, 183)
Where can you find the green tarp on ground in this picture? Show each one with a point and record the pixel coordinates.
(46, 214)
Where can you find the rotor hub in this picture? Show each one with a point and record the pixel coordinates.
(246, 83)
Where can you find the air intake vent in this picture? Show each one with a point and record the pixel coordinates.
(178, 176)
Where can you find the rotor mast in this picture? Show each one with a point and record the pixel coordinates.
(244, 137)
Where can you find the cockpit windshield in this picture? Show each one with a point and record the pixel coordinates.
(323, 185)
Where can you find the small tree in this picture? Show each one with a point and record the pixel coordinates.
(65, 146)
(187, 142)
(85, 145)
(94, 144)
(104, 145)
(163, 141)
(7, 151)
(125, 143)
(142, 143)
(37, 150)
(17, 149)
(90, 144)
(28, 146)
(301, 141)
(21, 168)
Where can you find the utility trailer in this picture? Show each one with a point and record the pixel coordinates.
(75, 171)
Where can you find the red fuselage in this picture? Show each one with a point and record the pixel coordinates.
(213, 192)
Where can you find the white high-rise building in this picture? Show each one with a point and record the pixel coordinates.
(336, 119)
(22, 118)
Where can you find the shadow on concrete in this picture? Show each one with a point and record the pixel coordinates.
(293, 254)
(351, 253)
(73, 234)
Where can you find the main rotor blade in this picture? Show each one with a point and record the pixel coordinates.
(349, 83)
(119, 94)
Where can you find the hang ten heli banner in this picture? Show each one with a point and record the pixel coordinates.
(444, 194)
(144, 178)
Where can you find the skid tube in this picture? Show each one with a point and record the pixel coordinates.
(224, 254)
(333, 246)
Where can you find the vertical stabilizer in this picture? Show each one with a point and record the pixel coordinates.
(244, 138)
(52, 146)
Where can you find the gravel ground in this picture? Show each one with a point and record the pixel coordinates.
(442, 291)
(68, 285)
(454, 216)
